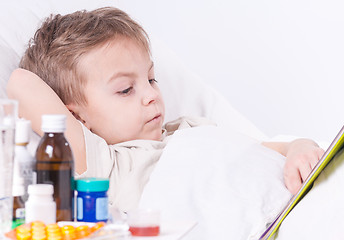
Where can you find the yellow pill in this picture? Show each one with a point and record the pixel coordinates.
(23, 236)
(39, 233)
(55, 237)
(83, 231)
(54, 231)
(52, 226)
(68, 232)
(37, 228)
(23, 229)
(67, 228)
(68, 236)
(37, 223)
(39, 237)
(83, 228)
(97, 226)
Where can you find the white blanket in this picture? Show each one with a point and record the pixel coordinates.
(228, 182)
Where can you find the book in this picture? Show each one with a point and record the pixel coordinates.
(336, 145)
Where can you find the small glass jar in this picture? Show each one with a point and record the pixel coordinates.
(92, 199)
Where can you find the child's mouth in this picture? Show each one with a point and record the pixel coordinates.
(156, 119)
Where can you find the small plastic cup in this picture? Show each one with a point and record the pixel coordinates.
(144, 222)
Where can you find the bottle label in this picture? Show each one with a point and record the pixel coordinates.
(102, 208)
(61, 179)
(26, 170)
(80, 207)
(20, 213)
(19, 217)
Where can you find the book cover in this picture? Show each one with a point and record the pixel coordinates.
(336, 145)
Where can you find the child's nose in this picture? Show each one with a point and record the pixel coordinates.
(150, 96)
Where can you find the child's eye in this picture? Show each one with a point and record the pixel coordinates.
(126, 91)
(153, 80)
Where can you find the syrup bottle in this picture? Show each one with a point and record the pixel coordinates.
(18, 191)
(55, 164)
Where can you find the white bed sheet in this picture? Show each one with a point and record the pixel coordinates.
(226, 181)
(233, 187)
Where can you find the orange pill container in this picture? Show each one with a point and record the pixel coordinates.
(37, 230)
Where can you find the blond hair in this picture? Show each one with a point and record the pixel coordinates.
(54, 51)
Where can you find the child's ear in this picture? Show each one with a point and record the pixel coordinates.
(74, 110)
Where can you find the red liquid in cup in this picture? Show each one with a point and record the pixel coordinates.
(145, 231)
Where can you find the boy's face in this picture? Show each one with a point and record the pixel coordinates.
(123, 100)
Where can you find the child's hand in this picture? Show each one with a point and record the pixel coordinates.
(301, 157)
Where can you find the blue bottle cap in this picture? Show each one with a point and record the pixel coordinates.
(92, 184)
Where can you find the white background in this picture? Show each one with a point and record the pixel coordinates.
(280, 63)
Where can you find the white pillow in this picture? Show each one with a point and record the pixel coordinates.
(9, 60)
(187, 94)
(19, 21)
(184, 93)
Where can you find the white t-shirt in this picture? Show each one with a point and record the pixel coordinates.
(128, 165)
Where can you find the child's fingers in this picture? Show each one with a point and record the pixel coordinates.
(305, 168)
(318, 153)
(292, 178)
(313, 163)
(298, 168)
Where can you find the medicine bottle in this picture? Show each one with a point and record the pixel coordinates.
(23, 160)
(18, 216)
(55, 164)
(92, 199)
(40, 206)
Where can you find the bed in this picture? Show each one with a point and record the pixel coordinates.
(233, 199)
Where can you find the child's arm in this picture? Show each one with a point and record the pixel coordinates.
(301, 157)
(35, 98)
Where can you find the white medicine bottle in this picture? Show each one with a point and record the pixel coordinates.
(40, 206)
(24, 162)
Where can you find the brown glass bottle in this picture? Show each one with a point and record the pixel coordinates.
(18, 191)
(55, 164)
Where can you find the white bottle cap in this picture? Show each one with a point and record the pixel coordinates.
(40, 189)
(54, 123)
(23, 128)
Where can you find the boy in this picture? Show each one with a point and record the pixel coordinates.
(99, 66)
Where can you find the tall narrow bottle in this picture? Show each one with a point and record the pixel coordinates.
(23, 160)
(55, 164)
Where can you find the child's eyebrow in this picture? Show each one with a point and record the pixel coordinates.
(126, 74)
(152, 65)
(120, 74)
